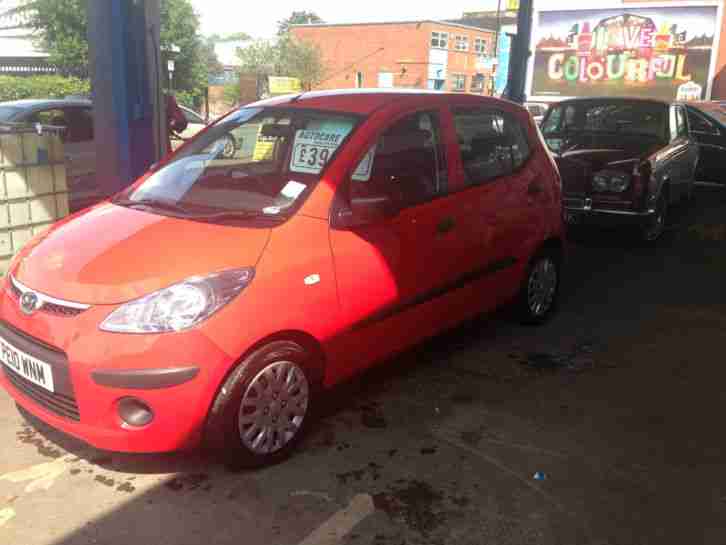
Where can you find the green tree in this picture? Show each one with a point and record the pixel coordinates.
(62, 25)
(297, 18)
(286, 56)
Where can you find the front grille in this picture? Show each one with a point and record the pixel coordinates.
(63, 400)
(55, 402)
(50, 308)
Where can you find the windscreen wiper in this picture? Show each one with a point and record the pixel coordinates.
(153, 203)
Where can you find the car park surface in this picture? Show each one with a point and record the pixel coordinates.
(417, 211)
(613, 401)
(622, 160)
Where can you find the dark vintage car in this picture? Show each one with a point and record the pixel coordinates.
(707, 123)
(622, 160)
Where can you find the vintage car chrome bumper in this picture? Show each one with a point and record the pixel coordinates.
(574, 207)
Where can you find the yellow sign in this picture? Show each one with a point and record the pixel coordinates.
(283, 86)
(512, 5)
(264, 147)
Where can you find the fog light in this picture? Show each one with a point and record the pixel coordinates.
(135, 412)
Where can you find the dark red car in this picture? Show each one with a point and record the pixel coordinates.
(622, 160)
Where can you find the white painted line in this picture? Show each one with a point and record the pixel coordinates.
(341, 523)
(312, 494)
(499, 465)
(41, 476)
(6, 515)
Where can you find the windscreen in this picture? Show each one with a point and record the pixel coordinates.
(636, 118)
(255, 162)
(8, 113)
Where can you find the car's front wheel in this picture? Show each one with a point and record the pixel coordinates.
(656, 223)
(263, 408)
(540, 288)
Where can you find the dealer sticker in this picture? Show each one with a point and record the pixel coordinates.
(315, 145)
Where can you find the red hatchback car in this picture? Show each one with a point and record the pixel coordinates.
(217, 294)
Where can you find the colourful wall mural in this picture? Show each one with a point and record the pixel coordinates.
(662, 52)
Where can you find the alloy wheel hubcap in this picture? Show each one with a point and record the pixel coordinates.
(542, 286)
(273, 407)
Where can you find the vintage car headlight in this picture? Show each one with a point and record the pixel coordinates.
(180, 306)
(617, 182)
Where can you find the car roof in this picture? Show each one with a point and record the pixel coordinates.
(38, 103)
(366, 101)
(613, 99)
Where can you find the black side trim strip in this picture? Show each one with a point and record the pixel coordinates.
(144, 379)
(430, 295)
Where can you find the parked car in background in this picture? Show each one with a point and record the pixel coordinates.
(707, 123)
(537, 110)
(76, 116)
(622, 160)
(367, 220)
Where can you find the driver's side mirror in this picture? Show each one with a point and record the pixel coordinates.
(365, 211)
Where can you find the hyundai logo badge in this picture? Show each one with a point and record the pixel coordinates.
(29, 302)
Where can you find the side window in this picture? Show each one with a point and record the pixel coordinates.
(700, 124)
(407, 163)
(55, 117)
(79, 125)
(492, 144)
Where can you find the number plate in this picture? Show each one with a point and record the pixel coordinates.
(26, 366)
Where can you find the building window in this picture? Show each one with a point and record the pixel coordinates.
(439, 40)
(477, 83)
(458, 82)
(480, 46)
(461, 43)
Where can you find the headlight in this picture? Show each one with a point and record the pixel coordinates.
(180, 306)
(616, 182)
(600, 182)
(619, 183)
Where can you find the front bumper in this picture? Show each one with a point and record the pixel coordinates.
(578, 211)
(175, 375)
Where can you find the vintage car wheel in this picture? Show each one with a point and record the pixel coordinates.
(655, 226)
(540, 288)
(263, 409)
(230, 147)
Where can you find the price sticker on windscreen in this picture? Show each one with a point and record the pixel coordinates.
(315, 145)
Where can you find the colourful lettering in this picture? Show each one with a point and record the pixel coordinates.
(679, 70)
(554, 66)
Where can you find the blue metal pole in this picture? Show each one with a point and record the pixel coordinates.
(519, 55)
(122, 90)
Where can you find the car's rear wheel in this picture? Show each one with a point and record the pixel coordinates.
(263, 408)
(655, 226)
(540, 288)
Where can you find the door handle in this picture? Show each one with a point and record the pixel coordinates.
(445, 225)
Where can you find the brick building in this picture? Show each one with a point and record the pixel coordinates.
(420, 54)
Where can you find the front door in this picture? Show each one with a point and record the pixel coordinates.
(393, 274)
(681, 157)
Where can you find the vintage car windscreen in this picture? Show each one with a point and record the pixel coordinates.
(605, 124)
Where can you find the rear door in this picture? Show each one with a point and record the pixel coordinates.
(505, 190)
(711, 146)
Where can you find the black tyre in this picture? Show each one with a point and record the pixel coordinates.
(230, 146)
(538, 295)
(263, 408)
(654, 227)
